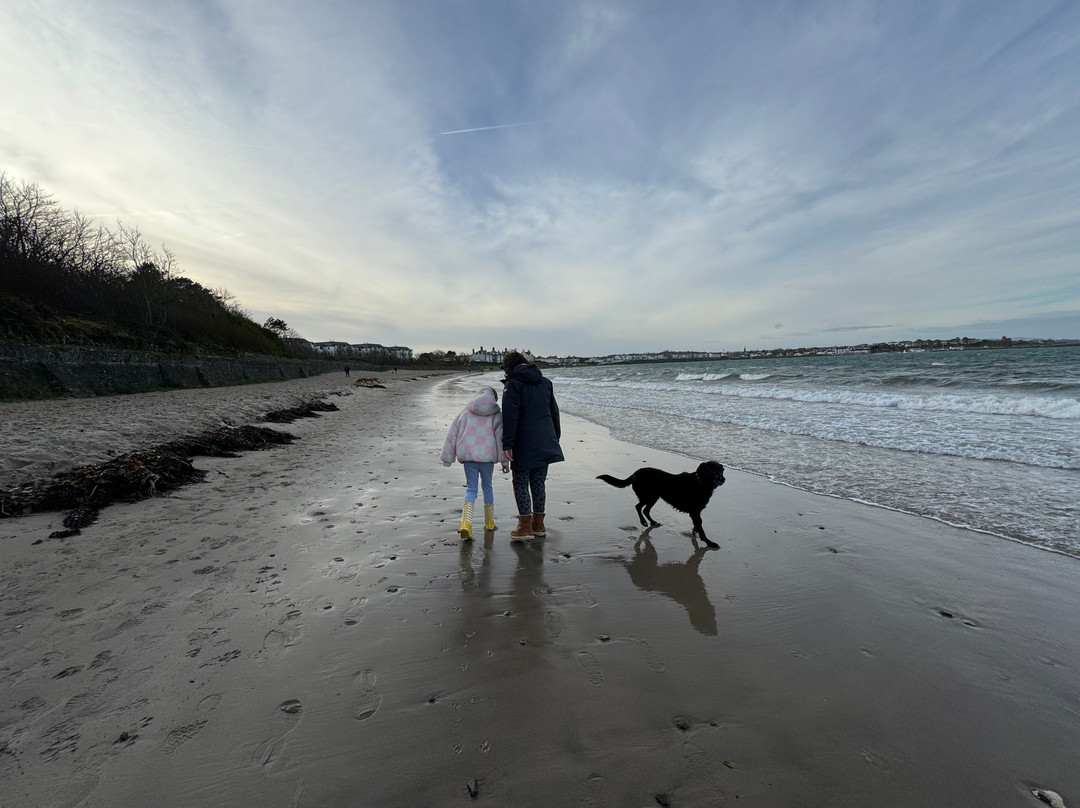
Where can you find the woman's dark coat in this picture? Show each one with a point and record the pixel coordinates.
(531, 427)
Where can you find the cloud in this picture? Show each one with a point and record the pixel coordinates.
(694, 179)
(843, 328)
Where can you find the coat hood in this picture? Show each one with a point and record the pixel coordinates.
(483, 403)
(529, 374)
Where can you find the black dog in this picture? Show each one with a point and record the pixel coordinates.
(687, 492)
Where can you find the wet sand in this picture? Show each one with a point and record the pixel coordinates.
(305, 628)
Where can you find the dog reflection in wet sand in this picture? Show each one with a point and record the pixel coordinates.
(679, 581)
(688, 492)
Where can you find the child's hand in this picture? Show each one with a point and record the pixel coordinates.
(445, 463)
(505, 468)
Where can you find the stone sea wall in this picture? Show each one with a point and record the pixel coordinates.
(28, 371)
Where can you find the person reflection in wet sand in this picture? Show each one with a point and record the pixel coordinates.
(503, 609)
(528, 589)
(470, 578)
(679, 581)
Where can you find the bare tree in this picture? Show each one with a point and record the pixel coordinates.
(27, 217)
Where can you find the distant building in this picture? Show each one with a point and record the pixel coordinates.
(332, 349)
(299, 344)
(368, 350)
(495, 356)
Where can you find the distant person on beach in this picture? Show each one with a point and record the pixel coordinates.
(531, 433)
(475, 440)
(346, 371)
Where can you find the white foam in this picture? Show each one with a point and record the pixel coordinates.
(988, 404)
(1034, 406)
(702, 377)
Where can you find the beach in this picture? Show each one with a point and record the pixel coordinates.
(305, 628)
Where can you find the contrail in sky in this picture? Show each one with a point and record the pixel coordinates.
(485, 128)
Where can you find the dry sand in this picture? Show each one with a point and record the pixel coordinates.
(46, 437)
(305, 628)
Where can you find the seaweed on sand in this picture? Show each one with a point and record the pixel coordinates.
(309, 409)
(144, 473)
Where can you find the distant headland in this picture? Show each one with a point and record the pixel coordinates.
(901, 346)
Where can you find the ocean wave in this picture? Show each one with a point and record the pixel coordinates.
(994, 498)
(715, 377)
(924, 441)
(1061, 408)
(1032, 406)
(702, 377)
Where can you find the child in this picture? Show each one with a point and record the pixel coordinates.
(475, 439)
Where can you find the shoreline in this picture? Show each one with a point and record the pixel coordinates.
(973, 442)
(869, 503)
(306, 628)
(892, 509)
(1066, 552)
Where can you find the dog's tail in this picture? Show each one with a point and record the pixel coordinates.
(607, 478)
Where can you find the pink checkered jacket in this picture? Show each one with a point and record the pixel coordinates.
(476, 434)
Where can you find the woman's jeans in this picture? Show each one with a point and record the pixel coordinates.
(479, 473)
(530, 483)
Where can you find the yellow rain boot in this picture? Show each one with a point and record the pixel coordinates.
(489, 517)
(466, 521)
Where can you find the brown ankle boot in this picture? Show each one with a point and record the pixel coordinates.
(524, 529)
(538, 525)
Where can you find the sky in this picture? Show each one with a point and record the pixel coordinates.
(574, 178)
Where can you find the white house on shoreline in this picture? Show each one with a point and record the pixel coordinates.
(495, 355)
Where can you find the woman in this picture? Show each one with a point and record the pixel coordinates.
(531, 433)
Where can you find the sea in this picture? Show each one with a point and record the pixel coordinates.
(983, 439)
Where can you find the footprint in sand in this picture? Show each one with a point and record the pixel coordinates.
(331, 568)
(355, 613)
(88, 702)
(110, 633)
(652, 659)
(368, 699)
(321, 603)
(285, 719)
(701, 769)
(948, 615)
(298, 792)
(285, 636)
(890, 762)
(586, 596)
(592, 668)
(594, 792)
(553, 624)
(181, 735)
